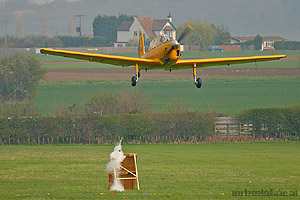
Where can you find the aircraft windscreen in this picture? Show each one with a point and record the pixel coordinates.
(159, 39)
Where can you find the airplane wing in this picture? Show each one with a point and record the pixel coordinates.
(102, 58)
(184, 64)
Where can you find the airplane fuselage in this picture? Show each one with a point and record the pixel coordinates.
(165, 53)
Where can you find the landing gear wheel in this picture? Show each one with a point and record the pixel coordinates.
(133, 81)
(198, 83)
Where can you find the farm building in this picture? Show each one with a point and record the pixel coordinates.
(268, 41)
(150, 28)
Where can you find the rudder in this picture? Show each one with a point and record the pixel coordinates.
(141, 49)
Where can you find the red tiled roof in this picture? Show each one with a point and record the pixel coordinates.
(147, 24)
(159, 24)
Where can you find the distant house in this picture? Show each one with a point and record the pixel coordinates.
(150, 28)
(268, 41)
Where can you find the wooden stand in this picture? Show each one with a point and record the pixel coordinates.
(128, 173)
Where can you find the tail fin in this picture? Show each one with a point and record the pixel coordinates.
(141, 49)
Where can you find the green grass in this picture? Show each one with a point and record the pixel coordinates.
(227, 95)
(191, 171)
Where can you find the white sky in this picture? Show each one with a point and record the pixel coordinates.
(242, 17)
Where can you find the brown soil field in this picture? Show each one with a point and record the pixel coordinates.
(127, 73)
(292, 58)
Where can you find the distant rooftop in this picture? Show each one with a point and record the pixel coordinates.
(125, 26)
(149, 25)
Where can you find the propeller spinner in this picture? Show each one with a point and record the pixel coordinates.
(176, 43)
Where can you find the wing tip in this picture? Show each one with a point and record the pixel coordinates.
(282, 56)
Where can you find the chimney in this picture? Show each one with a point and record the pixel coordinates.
(170, 17)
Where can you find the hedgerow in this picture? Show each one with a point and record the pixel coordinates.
(96, 129)
(271, 122)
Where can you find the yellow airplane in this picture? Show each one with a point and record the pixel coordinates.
(162, 54)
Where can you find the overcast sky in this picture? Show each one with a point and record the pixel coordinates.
(242, 17)
(41, 1)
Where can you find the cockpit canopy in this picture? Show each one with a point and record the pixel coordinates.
(159, 39)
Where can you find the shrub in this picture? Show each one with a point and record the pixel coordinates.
(19, 77)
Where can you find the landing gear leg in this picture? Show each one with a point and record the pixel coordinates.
(135, 78)
(198, 81)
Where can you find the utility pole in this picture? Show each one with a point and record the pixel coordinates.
(78, 29)
(5, 33)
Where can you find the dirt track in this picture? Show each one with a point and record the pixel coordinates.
(127, 73)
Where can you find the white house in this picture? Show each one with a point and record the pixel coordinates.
(150, 28)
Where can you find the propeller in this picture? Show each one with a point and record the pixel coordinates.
(176, 43)
(187, 29)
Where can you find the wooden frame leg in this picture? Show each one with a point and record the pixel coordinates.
(137, 174)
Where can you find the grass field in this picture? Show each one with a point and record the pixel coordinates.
(227, 95)
(191, 171)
